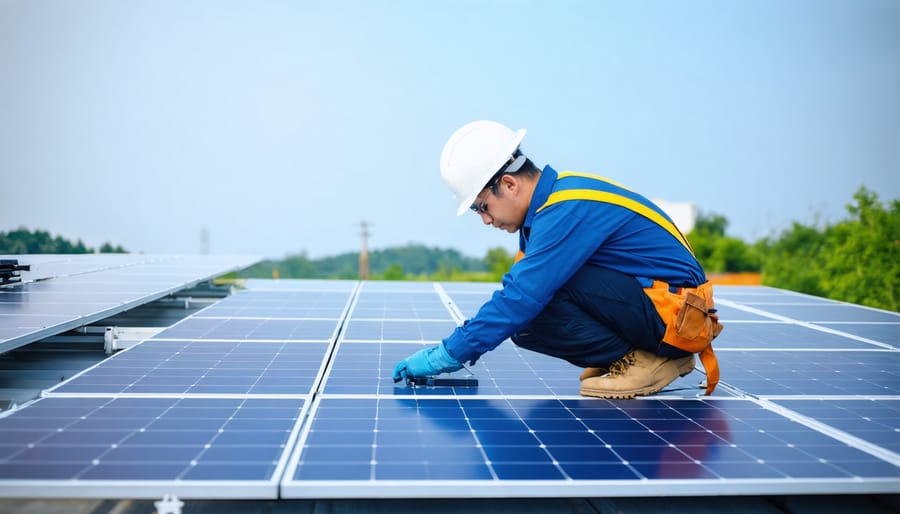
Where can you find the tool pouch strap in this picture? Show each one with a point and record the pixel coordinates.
(691, 323)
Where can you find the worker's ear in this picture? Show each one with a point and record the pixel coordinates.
(509, 182)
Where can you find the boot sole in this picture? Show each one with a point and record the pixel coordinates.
(684, 368)
(623, 395)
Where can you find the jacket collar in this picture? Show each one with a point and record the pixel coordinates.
(541, 193)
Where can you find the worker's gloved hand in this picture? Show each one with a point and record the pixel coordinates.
(426, 362)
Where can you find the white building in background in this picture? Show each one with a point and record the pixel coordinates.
(684, 214)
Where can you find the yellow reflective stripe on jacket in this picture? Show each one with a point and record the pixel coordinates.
(615, 199)
(565, 174)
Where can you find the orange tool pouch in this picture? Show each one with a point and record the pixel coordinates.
(691, 323)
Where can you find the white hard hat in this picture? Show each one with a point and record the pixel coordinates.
(473, 154)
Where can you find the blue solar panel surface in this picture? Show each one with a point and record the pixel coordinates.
(276, 304)
(366, 368)
(875, 420)
(66, 442)
(524, 430)
(65, 292)
(556, 440)
(812, 373)
(258, 329)
(205, 367)
(807, 404)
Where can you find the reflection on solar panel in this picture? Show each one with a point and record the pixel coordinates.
(257, 329)
(807, 404)
(106, 446)
(564, 447)
(78, 290)
(366, 367)
(266, 304)
(204, 367)
(812, 373)
(876, 421)
(524, 431)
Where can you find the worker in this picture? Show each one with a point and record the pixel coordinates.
(602, 279)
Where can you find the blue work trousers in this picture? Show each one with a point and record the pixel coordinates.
(597, 317)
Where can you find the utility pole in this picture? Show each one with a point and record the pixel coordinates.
(364, 252)
(204, 241)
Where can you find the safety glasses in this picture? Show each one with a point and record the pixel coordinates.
(513, 165)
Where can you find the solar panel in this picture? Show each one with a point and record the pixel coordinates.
(306, 285)
(147, 447)
(196, 417)
(75, 291)
(889, 333)
(524, 431)
(267, 316)
(826, 312)
(256, 329)
(43, 266)
(874, 420)
(562, 447)
(366, 368)
(782, 335)
(204, 367)
(268, 304)
(812, 373)
(806, 405)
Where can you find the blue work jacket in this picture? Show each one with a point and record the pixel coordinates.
(561, 237)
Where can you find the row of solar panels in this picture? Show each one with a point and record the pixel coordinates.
(62, 292)
(284, 389)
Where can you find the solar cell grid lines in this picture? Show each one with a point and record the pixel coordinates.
(204, 367)
(876, 419)
(807, 404)
(290, 304)
(886, 332)
(99, 447)
(257, 329)
(826, 312)
(65, 292)
(386, 304)
(782, 335)
(558, 444)
(812, 373)
(397, 330)
(366, 368)
(301, 286)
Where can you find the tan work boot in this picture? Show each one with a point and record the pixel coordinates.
(638, 373)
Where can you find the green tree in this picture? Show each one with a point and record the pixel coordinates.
(414, 260)
(393, 272)
(717, 252)
(22, 240)
(856, 260)
(791, 261)
(711, 224)
(109, 248)
(498, 262)
(862, 264)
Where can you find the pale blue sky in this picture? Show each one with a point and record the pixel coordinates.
(279, 126)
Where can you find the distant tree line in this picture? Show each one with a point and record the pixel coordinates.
(410, 262)
(855, 260)
(22, 240)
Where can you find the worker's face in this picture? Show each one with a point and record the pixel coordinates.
(505, 209)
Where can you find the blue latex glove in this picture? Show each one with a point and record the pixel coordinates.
(426, 362)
